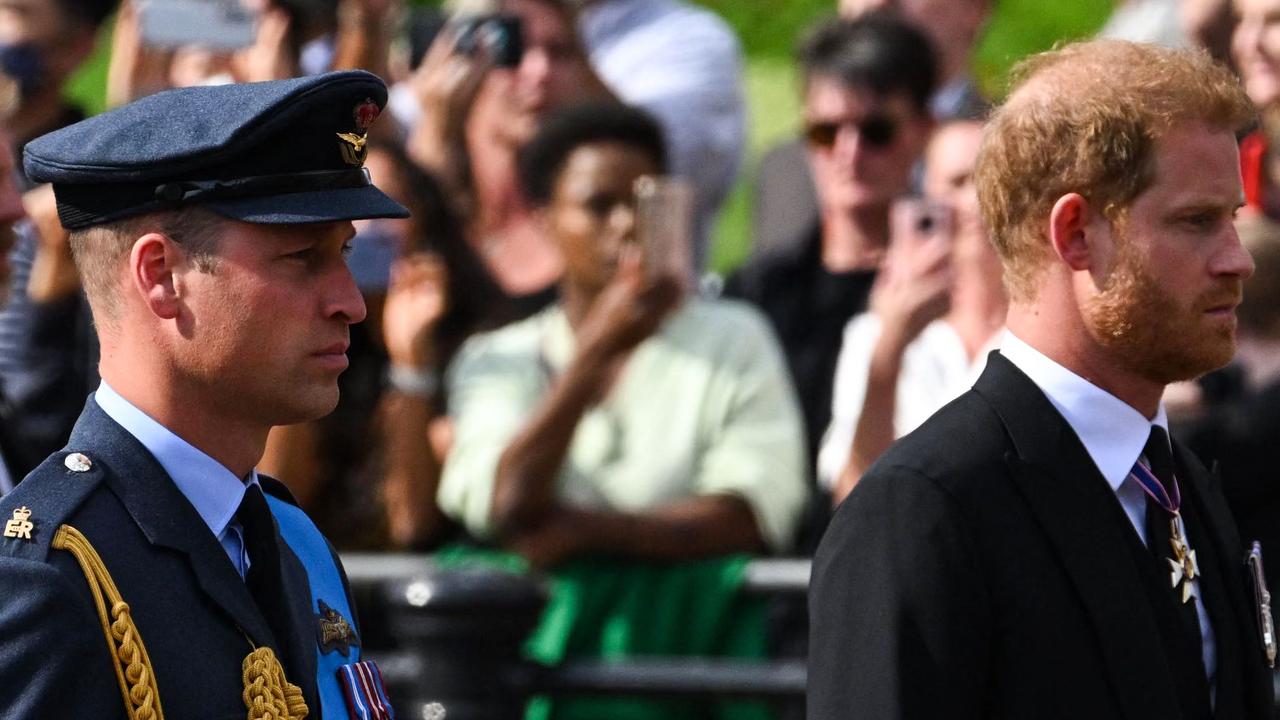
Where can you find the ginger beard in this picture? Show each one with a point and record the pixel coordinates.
(1149, 332)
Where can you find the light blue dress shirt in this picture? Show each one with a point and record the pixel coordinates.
(213, 490)
(1114, 434)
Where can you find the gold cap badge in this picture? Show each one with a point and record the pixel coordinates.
(354, 144)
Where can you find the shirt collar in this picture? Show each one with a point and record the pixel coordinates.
(209, 486)
(1112, 431)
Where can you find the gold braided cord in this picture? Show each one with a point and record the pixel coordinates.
(267, 694)
(132, 664)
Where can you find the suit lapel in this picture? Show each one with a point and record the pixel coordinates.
(1242, 676)
(1087, 528)
(165, 516)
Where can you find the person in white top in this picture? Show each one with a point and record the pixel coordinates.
(936, 311)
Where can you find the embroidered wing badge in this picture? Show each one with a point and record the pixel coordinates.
(333, 631)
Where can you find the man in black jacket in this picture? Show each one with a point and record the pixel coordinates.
(1038, 548)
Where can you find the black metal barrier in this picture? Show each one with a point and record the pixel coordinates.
(451, 640)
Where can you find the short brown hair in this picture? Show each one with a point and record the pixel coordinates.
(1085, 119)
(99, 251)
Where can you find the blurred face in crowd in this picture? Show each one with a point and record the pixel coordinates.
(267, 327)
(948, 178)
(550, 74)
(1255, 45)
(40, 43)
(592, 211)
(1169, 286)
(861, 145)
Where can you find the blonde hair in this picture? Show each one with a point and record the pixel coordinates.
(1085, 119)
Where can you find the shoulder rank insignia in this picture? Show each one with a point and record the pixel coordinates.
(333, 631)
(354, 144)
(20, 526)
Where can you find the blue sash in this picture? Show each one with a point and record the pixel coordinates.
(327, 587)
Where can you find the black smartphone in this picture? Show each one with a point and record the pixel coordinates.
(500, 35)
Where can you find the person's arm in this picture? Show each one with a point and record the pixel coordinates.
(627, 312)
(446, 85)
(913, 290)
(53, 276)
(698, 527)
(135, 70)
(364, 35)
(43, 355)
(416, 303)
(874, 430)
(899, 619)
(271, 56)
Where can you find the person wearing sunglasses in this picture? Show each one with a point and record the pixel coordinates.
(867, 84)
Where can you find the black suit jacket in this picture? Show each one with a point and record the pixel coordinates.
(983, 568)
(192, 610)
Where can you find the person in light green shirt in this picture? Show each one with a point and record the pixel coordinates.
(627, 420)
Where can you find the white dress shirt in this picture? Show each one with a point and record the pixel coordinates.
(213, 490)
(1114, 434)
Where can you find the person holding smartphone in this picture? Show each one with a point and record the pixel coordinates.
(627, 431)
(485, 86)
(867, 84)
(936, 311)
(626, 419)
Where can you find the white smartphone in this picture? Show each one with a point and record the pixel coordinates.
(213, 24)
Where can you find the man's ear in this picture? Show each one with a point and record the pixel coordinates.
(1070, 231)
(153, 263)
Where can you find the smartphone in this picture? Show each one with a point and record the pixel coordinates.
(214, 24)
(499, 34)
(664, 226)
(920, 219)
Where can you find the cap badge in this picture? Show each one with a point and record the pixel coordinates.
(20, 526)
(353, 145)
(333, 631)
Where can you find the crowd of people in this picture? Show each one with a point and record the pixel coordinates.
(530, 378)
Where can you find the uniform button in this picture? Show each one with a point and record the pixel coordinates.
(78, 462)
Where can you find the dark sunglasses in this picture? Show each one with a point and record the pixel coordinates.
(876, 131)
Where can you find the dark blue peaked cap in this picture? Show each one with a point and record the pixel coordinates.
(286, 151)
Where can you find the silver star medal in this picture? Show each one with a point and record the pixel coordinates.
(1183, 567)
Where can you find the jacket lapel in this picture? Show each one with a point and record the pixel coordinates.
(1239, 647)
(165, 516)
(1087, 528)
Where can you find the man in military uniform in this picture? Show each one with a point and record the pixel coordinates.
(147, 566)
